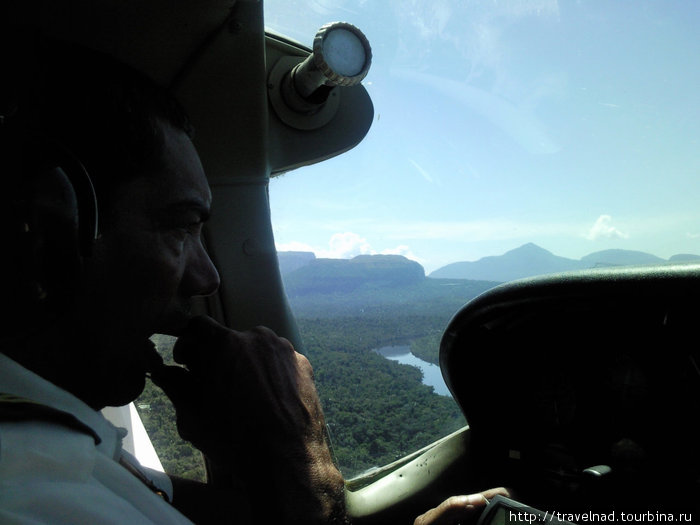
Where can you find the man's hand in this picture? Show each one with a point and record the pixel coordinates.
(459, 509)
(248, 401)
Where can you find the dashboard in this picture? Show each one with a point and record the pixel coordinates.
(582, 390)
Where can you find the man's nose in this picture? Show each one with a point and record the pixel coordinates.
(202, 277)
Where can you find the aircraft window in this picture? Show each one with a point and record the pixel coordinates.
(509, 139)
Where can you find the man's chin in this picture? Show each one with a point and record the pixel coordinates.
(128, 379)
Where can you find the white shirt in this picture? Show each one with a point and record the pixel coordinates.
(53, 474)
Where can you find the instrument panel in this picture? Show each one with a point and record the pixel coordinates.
(583, 389)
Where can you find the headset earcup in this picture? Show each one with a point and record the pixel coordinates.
(53, 238)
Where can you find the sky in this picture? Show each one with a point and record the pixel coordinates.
(571, 124)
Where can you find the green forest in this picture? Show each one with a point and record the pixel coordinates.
(377, 410)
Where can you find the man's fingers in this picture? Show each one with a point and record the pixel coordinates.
(225, 367)
(453, 510)
(459, 509)
(499, 491)
(174, 381)
(204, 343)
(198, 341)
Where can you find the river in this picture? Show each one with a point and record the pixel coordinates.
(431, 373)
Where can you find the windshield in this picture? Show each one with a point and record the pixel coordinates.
(514, 138)
(573, 126)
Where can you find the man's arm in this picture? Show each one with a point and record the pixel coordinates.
(248, 401)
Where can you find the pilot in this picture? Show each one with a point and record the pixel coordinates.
(90, 276)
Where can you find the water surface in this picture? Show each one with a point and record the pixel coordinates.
(432, 375)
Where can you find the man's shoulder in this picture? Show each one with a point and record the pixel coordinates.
(48, 470)
(44, 450)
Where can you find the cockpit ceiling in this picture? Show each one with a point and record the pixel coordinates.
(215, 56)
(161, 38)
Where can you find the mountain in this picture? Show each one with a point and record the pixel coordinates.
(530, 259)
(290, 261)
(374, 284)
(620, 258)
(684, 257)
(347, 275)
(524, 261)
(371, 286)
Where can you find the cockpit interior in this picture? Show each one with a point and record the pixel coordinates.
(581, 389)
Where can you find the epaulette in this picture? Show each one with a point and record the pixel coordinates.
(17, 409)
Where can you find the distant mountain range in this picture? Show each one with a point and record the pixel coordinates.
(530, 259)
(370, 286)
(303, 273)
(373, 285)
(290, 261)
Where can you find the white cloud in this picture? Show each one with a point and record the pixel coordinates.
(399, 250)
(343, 245)
(346, 245)
(603, 229)
(405, 251)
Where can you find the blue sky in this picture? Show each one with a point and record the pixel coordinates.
(573, 125)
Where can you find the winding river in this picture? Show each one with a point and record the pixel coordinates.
(431, 373)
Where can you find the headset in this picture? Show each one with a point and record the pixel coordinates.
(42, 180)
(69, 186)
(53, 216)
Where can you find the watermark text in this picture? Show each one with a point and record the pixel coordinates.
(600, 517)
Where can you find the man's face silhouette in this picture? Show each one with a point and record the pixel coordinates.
(147, 265)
